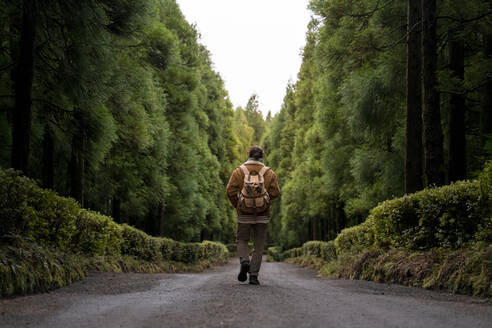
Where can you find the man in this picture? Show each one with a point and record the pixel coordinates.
(250, 189)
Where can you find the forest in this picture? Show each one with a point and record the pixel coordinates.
(116, 104)
(392, 97)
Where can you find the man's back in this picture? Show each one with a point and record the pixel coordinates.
(252, 224)
(237, 180)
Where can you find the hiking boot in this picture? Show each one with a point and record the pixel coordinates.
(243, 273)
(253, 280)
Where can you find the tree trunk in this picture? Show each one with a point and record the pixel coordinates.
(48, 160)
(116, 212)
(205, 235)
(160, 212)
(456, 129)
(486, 110)
(22, 115)
(77, 169)
(315, 229)
(413, 133)
(433, 139)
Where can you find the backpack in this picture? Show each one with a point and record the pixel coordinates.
(254, 197)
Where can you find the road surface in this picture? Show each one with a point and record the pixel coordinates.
(288, 296)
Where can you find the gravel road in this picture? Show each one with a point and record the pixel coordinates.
(288, 296)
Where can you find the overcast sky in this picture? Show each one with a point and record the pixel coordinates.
(255, 44)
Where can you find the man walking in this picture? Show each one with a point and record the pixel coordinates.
(251, 188)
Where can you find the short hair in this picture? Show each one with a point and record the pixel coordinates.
(255, 152)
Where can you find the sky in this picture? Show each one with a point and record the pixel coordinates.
(255, 45)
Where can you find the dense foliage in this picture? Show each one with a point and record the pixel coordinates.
(42, 216)
(49, 241)
(116, 104)
(339, 143)
(436, 238)
(449, 217)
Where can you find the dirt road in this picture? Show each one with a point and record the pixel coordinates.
(288, 296)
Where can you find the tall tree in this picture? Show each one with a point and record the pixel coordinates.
(456, 128)
(48, 158)
(433, 138)
(22, 117)
(413, 132)
(486, 104)
(255, 118)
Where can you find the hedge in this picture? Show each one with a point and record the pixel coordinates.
(59, 227)
(320, 249)
(323, 250)
(447, 217)
(293, 252)
(275, 254)
(447, 230)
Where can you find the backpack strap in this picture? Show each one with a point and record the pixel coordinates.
(245, 170)
(262, 172)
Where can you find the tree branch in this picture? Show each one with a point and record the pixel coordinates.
(460, 20)
(369, 13)
(49, 103)
(6, 67)
(467, 91)
(399, 41)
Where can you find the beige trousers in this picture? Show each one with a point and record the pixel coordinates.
(244, 231)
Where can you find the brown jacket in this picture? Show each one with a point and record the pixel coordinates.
(236, 184)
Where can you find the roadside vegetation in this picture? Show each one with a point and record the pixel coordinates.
(380, 143)
(115, 108)
(438, 238)
(49, 241)
(353, 129)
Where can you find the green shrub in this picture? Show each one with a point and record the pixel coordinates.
(328, 251)
(447, 216)
(324, 250)
(60, 241)
(96, 234)
(312, 248)
(167, 248)
(484, 232)
(486, 189)
(213, 251)
(293, 252)
(27, 210)
(275, 254)
(355, 239)
(15, 207)
(137, 243)
(30, 211)
(190, 252)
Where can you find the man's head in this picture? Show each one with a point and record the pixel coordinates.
(255, 152)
